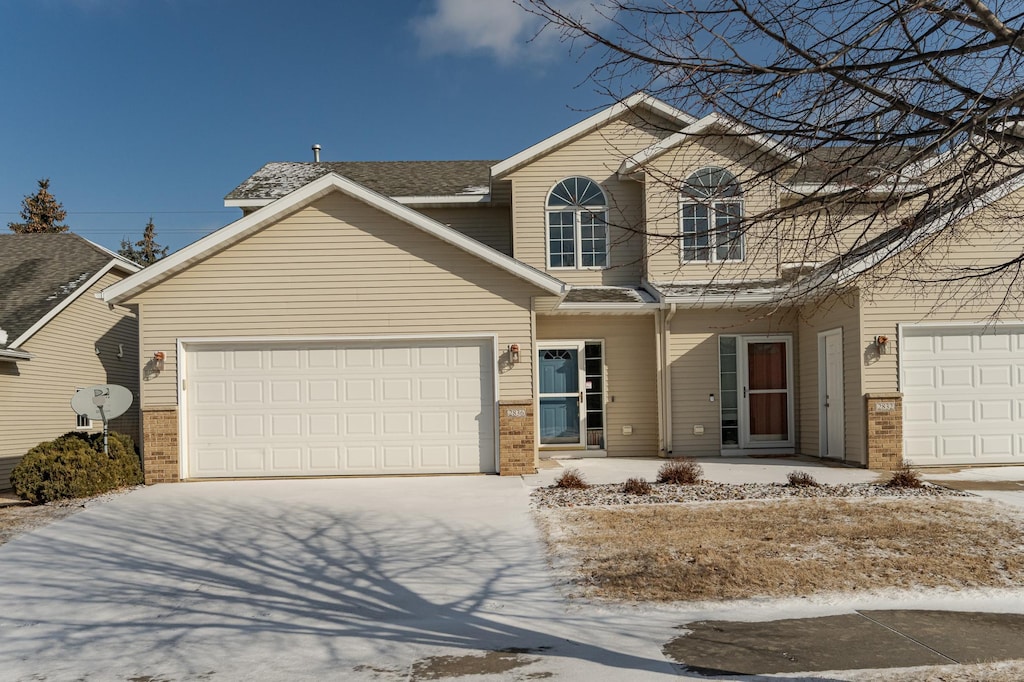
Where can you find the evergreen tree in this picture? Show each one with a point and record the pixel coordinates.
(145, 251)
(41, 212)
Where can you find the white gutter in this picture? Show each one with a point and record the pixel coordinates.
(15, 355)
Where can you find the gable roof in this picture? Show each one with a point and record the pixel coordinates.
(639, 101)
(401, 180)
(702, 127)
(41, 274)
(252, 223)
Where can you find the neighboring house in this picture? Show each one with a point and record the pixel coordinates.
(411, 317)
(56, 335)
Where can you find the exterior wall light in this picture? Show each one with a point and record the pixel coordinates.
(882, 345)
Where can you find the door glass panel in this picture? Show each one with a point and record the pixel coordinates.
(728, 396)
(769, 417)
(559, 420)
(559, 371)
(594, 393)
(767, 365)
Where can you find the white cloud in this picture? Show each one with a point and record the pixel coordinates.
(499, 27)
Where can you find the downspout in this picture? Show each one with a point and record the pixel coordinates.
(659, 316)
(667, 382)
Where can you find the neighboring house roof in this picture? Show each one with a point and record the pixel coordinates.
(639, 102)
(252, 223)
(400, 180)
(41, 274)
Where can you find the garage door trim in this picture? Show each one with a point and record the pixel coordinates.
(186, 344)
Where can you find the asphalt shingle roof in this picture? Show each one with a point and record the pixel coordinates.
(605, 295)
(37, 272)
(390, 178)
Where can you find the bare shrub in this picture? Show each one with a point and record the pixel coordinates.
(904, 477)
(681, 471)
(801, 479)
(572, 478)
(636, 486)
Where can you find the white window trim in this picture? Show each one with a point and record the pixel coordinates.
(712, 233)
(577, 229)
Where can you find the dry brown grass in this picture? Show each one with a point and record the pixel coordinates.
(735, 550)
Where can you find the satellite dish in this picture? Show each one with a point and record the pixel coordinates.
(103, 402)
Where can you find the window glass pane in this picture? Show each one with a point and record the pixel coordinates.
(593, 239)
(729, 398)
(695, 232)
(561, 239)
(559, 420)
(767, 365)
(576, 191)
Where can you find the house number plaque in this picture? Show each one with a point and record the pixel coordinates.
(515, 412)
(885, 406)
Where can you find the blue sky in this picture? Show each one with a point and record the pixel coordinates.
(135, 108)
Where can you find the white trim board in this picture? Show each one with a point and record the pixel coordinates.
(266, 216)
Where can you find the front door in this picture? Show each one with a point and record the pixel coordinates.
(766, 399)
(830, 363)
(560, 388)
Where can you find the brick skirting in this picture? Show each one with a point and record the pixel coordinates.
(518, 449)
(885, 430)
(160, 445)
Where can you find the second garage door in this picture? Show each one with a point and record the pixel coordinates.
(321, 409)
(963, 394)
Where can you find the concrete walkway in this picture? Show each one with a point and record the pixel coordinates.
(356, 579)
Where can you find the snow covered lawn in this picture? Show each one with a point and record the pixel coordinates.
(785, 548)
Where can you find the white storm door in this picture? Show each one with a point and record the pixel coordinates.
(560, 381)
(831, 404)
(765, 364)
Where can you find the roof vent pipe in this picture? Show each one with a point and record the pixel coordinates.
(316, 153)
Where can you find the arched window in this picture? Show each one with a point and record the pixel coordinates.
(712, 208)
(577, 225)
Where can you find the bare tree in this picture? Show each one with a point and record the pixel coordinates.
(901, 116)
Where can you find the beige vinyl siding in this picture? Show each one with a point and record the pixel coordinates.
(35, 395)
(694, 362)
(490, 225)
(597, 156)
(631, 392)
(899, 291)
(832, 313)
(338, 268)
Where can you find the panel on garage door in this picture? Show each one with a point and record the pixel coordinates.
(962, 394)
(342, 408)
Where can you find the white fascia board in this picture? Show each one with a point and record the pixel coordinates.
(940, 223)
(71, 298)
(635, 162)
(12, 355)
(722, 300)
(247, 203)
(444, 199)
(631, 103)
(304, 196)
(624, 308)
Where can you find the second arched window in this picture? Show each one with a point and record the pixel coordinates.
(712, 212)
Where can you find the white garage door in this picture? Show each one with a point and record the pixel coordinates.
(963, 394)
(340, 408)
